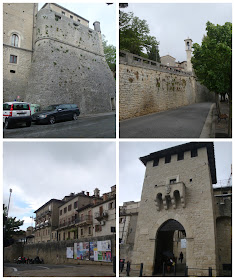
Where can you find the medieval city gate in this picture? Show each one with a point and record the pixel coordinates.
(177, 204)
(170, 239)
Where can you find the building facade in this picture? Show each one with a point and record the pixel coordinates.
(46, 221)
(51, 56)
(178, 213)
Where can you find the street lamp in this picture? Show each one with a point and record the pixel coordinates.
(9, 202)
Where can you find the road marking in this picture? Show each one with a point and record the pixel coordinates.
(44, 267)
(15, 269)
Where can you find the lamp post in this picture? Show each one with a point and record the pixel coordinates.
(9, 202)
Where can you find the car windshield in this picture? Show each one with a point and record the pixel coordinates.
(16, 106)
(51, 108)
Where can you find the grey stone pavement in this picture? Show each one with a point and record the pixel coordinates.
(192, 121)
(47, 270)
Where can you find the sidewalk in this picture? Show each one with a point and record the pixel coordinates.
(221, 127)
(97, 115)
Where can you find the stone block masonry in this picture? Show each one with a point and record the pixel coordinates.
(68, 66)
(147, 87)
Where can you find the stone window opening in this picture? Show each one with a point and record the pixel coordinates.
(75, 24)
(12, 71)
(156, 162)
(173, 181)
(180, 156)
(63, 13)
(15, 40)
(71, 17)
(194, 153)
(65, 210)
(168, 159)
(13, 59)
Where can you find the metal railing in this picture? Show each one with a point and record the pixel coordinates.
(132, 270)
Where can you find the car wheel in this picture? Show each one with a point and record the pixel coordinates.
(51, 120)
(75, 116)
(28, 124)
(7, 125)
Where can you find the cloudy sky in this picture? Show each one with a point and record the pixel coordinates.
(172, 23)
(105, 14)
(40, 171)
(132, 170)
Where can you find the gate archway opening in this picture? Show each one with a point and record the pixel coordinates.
(170, 242)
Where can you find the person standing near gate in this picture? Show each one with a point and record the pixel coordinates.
(181, 257)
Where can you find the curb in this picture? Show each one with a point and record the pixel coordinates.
(97, 115)
(208, 130)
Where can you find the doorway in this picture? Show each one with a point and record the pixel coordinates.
(170, 244)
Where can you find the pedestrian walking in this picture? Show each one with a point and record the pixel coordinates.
(181, 257)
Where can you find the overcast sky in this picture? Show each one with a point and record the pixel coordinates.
(105, 14)
(40, 171)
(132, 170)
(172, 23)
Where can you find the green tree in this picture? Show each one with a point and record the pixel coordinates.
(11, 227)
(110, 54)
(134, 35)
(212, 61)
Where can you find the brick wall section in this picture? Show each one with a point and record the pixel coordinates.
(197, 217)
(147, 87)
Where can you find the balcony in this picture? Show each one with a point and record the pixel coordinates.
(99, 216)
(84, 220)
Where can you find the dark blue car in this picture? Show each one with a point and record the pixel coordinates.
(56, 113)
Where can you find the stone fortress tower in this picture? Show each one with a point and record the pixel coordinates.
(68, 63)
(177, 209)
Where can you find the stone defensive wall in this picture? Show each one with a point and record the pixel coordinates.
(68, 65)
(53, 252)
(146, 87)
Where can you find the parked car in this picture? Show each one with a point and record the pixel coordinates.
(55, 113)
(16, 112)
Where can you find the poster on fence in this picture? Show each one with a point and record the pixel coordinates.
(104, 256)
(93, 251)
(83, 251)
(104, 245)
(69, 252)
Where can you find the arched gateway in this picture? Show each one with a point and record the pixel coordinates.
(176, 210)
(170, 244)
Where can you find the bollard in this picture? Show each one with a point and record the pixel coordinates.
(186, 271)
(210, 271)
(163, 270)
(128, 268)
(141, 269)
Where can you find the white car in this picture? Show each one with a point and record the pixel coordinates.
(16, 112)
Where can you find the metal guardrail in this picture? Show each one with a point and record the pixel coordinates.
(138, 271)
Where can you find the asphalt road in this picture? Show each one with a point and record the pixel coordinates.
(184, 122)
(99, 126)
(53, 270)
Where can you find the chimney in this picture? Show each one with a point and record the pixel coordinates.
(105, 196)
(87, 193)
(97, 26)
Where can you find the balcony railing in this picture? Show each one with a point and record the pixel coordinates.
(99, 216)
(86, 219)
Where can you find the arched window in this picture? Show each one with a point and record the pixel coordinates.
(15, 40)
